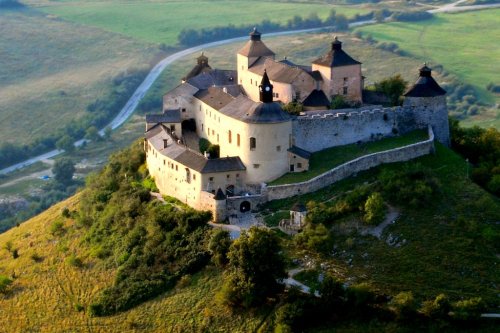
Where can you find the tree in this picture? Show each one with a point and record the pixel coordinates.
(256, 263)
(63, 170)
(294, 108)
(374, 209)
(393, 87)
(338, 102)
(219, 246)
(331, 291)
(4, 283)
(65, 143)
(92, 133)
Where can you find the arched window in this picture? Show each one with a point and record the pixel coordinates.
(238, 140)
(230, 138)
(253, 143)
(188, 176)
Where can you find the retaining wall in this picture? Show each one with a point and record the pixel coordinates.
(347, 169)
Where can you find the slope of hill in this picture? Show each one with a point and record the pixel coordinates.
(451, 247)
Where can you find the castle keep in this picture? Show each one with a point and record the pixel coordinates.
(241, 112)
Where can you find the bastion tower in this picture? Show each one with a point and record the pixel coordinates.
(427, 101)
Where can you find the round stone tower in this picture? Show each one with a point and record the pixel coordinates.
(220, 209)
(427, 101)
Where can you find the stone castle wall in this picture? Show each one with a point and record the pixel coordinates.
(348, 169)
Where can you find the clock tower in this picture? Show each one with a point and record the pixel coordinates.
(266, 89)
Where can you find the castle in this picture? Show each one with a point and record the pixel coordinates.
(241, 112)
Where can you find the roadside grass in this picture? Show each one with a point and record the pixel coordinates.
(327, 159)
(49, 294)
(162, 21)
(461, 42)
(446, 246)
(51, 70)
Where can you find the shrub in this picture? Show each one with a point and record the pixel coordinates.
(36, 257)
(403, 305)
(360, 295)
(5, 282)
(203, 145)
(375, 209)
(338, 102)
(468, 310)
(74, 261)
(65, 212)
(15, 253)
(219, 244)
(57, 227)
(294, 108)
(437, 308)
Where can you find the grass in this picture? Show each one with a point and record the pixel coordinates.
(468, 52)
(48, 294)
(51, 70)
(161, 21)
(327, 159)
(448, 244)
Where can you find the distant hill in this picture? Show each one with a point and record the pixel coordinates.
(10, 4)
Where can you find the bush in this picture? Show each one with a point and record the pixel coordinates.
(57, 228)
(74, 261)
(219, 244)
(293, 108)
(360, 295)
(437, 308)
(5, 282)
(404, 305)
(375, 209)
(468, 310)
(338, 102)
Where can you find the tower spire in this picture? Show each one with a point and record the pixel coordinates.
(266, 89)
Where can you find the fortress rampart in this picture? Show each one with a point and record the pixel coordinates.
(352, 167)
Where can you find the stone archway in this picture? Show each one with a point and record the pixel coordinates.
(245, 206)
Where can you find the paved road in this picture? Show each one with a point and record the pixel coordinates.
(132, 103)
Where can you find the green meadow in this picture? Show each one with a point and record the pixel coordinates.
(51, 70)
(161, 21)
(466, 44)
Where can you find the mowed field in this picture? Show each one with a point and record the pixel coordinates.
(51, 70)
(161, 21)
(466, 44)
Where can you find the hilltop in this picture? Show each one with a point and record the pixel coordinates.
(444, 241)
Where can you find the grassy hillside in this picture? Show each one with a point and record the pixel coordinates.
(52, 70)
(449, 247)
(161, 21)
(462, 43)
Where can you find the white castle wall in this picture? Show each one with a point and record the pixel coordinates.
(347, 169)
(341, 127)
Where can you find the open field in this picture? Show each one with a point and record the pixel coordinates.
(51, 70)
(327, 159)
(463, 43)
(161, 21)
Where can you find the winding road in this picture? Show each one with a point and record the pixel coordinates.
(139, 93)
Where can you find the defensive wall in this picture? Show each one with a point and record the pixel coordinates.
(325, 129)
(352, 167)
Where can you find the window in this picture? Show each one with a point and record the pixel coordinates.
(256, 166)
(200, 107)
(194, 176)
(229, 136)
(217, 137)
(251, 81)
(208, 131)
(344, 91)
(183, 109)
(238, 140)
(228, 176)
(211, 179)
(202, 127)
(276, 95)
(213, 132)
(176, 168)
(278, 148)
(237, 175)
(299, 165)
(188, 176)
(256, 83)
(253, 143)
(163, 162)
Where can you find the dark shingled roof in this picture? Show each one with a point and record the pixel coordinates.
(215, 97)
(277, 71)
(298, 207)
(300, 152)
(215, 77)
(200, 67)
(287, 62)
(244, 109)
(316, 75)
(168, 116)
(336, 57)
(316, 98)
(255, 47)
(223, 164)
(425, 86)
(219, 195)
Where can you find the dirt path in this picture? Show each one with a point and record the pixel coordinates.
(377, 231)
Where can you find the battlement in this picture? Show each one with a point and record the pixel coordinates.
(343, 113)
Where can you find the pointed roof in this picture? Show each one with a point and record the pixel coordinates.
(336, 57)
(266, 89)
(255, 47)
(219, 195)
(201, 66)
(298, 207)
(425, 86)
(316, 98)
